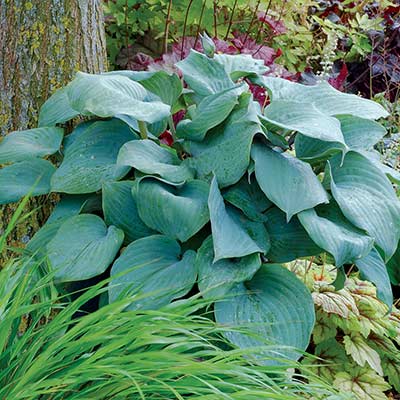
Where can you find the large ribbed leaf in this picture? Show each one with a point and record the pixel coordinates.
(167, 87)
(155, 270)
(288, 240)
(276, 307)
(178, 212)
(330, 230)
(210, 112)
(83, 247)
(31, 176)
(324, 97)
(57, 109)
(110, 95)
(204, 75)
(39, 142)
(226, 150)
(150, 158)
(372, 268)
(230, 237)
(241, 65)
(359, 134)
(304, 118)
(217, 278)
(91, 158)
(367, 199)
(249, 198)
(120, 210)
(288, 182)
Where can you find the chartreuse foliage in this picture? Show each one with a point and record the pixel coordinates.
(356, 339)
(221, 207)
(49, 351)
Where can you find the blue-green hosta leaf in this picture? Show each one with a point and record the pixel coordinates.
(288, 240)
(210, 112)
(150, 158)
(83, 247)
(204, 75)
(154, 269)
(91, 158)
(168, 87)
(359, 134)
(110, 95)
(324, 97)
(74, 204)
(393, 267)
(288, 182)
(376, 158)
(39, 142)
(372, 268)
(57, 109)
(217, 278)
(120, 210)
(304, 118)
(241, 65)
(178, 212)
(329, 230)
(230, 237)
(367, 199)
(226, 150)
(249, 198)
(30, 176)
(276, 307)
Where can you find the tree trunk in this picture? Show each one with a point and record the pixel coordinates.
(42, 44)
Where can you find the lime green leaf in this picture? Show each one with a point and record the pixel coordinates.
(57, 109)
(367, 199)
(288, 182)
(324, 328)
(391, 369)
(226, 149)
(204, 75)
(39, 142)
(324, 97)
(211, 111)
(373, 269)
(363, 382)
(120, 210)
(340, 302)
(178, 212)
(114, 95)
(83, 247)
(154, 269)
(275, 306)
(288, 240)
(31, 176)
(217, 278)
(333, 233)
(150, 158)
(91, 158)
(361, 353)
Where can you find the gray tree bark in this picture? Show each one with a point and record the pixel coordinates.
(42, 45)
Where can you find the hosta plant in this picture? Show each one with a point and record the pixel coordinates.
(238, 191)
(356, 338)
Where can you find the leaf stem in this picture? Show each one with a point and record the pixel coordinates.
(142, 129)
(172, 127)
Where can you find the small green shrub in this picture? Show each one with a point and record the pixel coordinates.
(240, 190)
(355, 338)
